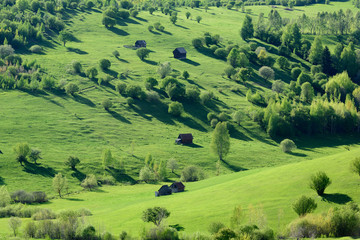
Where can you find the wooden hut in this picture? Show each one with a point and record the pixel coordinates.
(184, 139)
(177, 187)
(140, 44)
(179, 53)
(164, 190)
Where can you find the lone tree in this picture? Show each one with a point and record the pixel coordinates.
(172, 164)
(355, 166)
(14, 224)
(35, 155)
(59, 183)
(319, 182)
(66, 36)
(187, 14)
(304, 205)
(22, 150)
(198, 19)
(247, 29)
(143, 53)
(72, 162)
(155, 215)
(220, 143)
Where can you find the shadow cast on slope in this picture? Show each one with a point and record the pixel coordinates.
(338, 198)
(40, 170)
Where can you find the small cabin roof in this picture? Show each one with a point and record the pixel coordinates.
(140, 41)
(178, 185)
(186, 136)
(180, 50)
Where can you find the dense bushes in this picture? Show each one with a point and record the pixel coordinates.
(22, 196)
(191, 174)
(304, 205)
(287, 145)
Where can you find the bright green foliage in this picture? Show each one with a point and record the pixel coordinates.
(107, 158)
(340, 85)
(143, 53)
(71, 88)
(267, 72)
(164, 69)
(247, 29)
(303, 78)
(162, 173)
(316, 50)
(283, 63)
(72, 162)
(91, 72)
(146, 174)
(176, 109)
(220, 142)
(304, 205)
(355, 166)
(295, 73)
(155, 215)
(215, 227)
(148, 159)
(319, 182)
(5, 198)
(22, 150)
(14, 224)
(59, 183)
(225, 234)
(307, 92)
(90, 182)
(150, 83)
(65, 36)
(191, 174)
(348, 60)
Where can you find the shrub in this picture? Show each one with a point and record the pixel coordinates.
(206, 97)
(71, 88)
(121, 88)
(130, 101)
(164, 69)
(191, 174)
(30, 229)
(91, 72)
(229, 71)
(143, 53)
(287, 146)
(151, 10)
(36, 49)
(176, 109)
(304, 205)
(134, 13)
(72, 162)
(221, 53)
(133, 91)
(146, 175)
(4, 197)
(214, 122)
(39, 197)
(22, 196)
(106, 104)
(319, 182)
(124, 14)
(43, 214)
(89, 182)
(104, 64)
(197, 43)
(267, 72)
(152, 96)
(108, 22)
(162, 232)
(48, 83)
(283, 63)
(355, 166)
(295, 72)
(6, 50)
(211, 115)
(214, 227)
(223, 117)
(193, 93)
(225, 233)
(116, 53)
(76, 66)
(185, 75)
(303, 78)
(278, 86)
(107, 180)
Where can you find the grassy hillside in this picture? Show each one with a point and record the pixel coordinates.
(271, 190)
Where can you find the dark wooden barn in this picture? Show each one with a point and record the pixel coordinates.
(140, 44)
(177, 187)
(164, 190)
(184, 139)
(179, 53)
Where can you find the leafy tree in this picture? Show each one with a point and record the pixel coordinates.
(185, 75)
(245, 74)
(71, 88)
(146, 174)
(355, 166)
(220, 142)
(304, 205)
(22, 150)
(303, 78)
(287, 145)
(229, 71)
(107, 158)
(316, 51)
(173, 18)
(151, 10)
(197, 43)
(72, 162)
(176, 109)
(91, 72)
(326, 62)
(233, 57)
(193, 93)
(162, 171)
(319, 182)
(172, 164)
(348, 60)
(215, 227)
(90, 182)
(6, 50)
(340, 84)
(107, 104)
(59, 183)
(283, 63)
(225, 234)
(198, 19)
(267, 72)
(34, 155)
(191, 174)
(5, 198)
(278, 86)
(143, 53)
(14, 224)
(108, 22)
(187, 14)
(66, 36)
(104, 64)
(155, 215)
(307, 92)
(164, 69)
(295, 73)
(247, 29)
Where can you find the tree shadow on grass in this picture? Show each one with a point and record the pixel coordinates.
(205, 51)
(118, 31)
(84, 100)
(111, 72)
(74, 199)
(156, 33)
(191, 62)
(181, 26)
(122, 60)
(158, 111)
(79, 175)
(40, 170)
(297, 154)
(76, 50)
(119, 117)
(192, 124)
(233, 167)
(235, 133)
(150, 62)
(338, 198)
(2, 182)
(141, 19)
(120, 176)
(166, 32)
(192, 145)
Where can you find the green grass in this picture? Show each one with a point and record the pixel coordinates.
(271, 189)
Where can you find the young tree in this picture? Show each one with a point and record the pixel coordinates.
(91, 72)
(14, 224)
(162, 171)
(176, 109)
(59, 183)
(35, 155)
(247, 29)
(173, 18)
(316, 51)
(143, 53)
(164, 69)
(187, 14)
(108, 22)
(319, 182)
(22, 150)
(220, 142)
(348, 60)
(155, 215)
(198, 19)
(172, 164)
(5, 198)
(72, 162)
(107, 158)
(355, 166)
(66, 36)
(304, 205)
